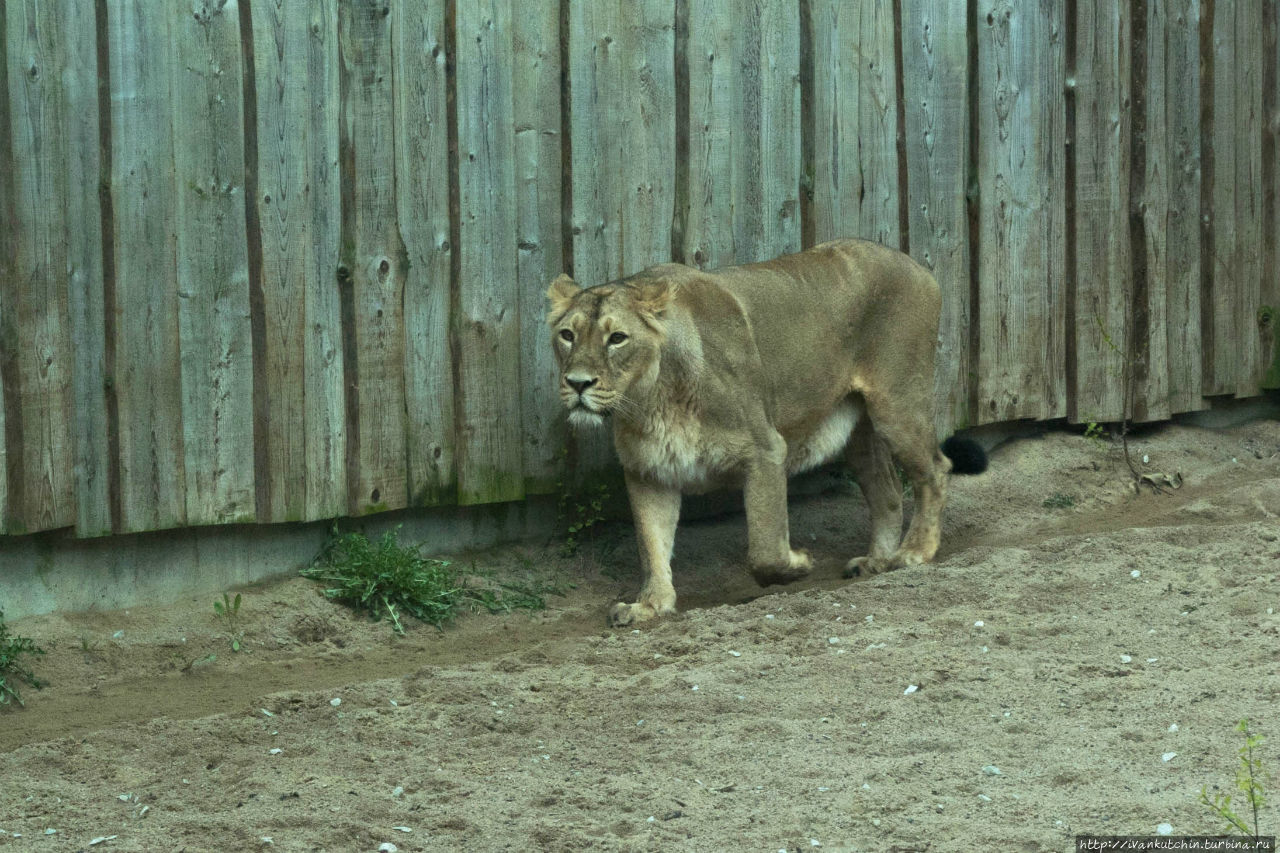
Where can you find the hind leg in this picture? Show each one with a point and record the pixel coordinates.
(871, 463)
(907, 429)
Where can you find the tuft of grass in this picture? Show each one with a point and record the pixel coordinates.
(1059, 500)
(228, 611)
(13, 669)
(1251, 779)
(385, 578)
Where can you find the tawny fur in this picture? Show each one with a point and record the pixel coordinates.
(741, 376)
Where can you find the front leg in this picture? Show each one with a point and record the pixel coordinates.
(656, 511)
(768, 535)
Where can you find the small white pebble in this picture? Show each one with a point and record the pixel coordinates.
(813, 842)
(870, 618)
(335, 701)
(402, 829)
(266, 713)
(984, 798)
(94, 842)
(1135, 573)
(395, 704)
(124, 798)
(1164, 829)
(823, 788)
(1152, 660)
(694, 687)
(635, 630)
(736, 654)
(265, 840)
(911, 688)
(119, 635)
(866, 787)
(275, 751)
(1173, 727)
(54, 831)
(656, 656)
(387, 847)
(651, 819)
(1145, 459)
(142, 812)
(768, 616)
(991, 770)
(1126, 659)
(979, 624)
(1168, 756)
(397, 791)
(833, 640)
(985, 650)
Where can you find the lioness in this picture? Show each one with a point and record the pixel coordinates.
(744, 375)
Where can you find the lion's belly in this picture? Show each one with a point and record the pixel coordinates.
(675, 455)
(826, 441)
(679, 455)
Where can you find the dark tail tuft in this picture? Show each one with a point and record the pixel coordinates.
(966, 455)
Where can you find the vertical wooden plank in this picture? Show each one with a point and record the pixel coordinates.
(1103, 260)
(489, 435)
(1223, 337)
(1181, 272)
(744, 132)
(1021, 124)
(715, 120)
(38, 284)
(295, 59)
(935, 66)
(1269, 313)
(83, 234)
(855, 115)
(213, 264)
(372, 263)
(1248, 186)
(622, 126)
(8, 248)
(147, 383)
(536, 96)
(422, 199)
(1170, 205)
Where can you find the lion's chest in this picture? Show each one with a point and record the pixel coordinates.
(677, 454)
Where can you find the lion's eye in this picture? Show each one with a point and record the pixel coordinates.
(566, 336)
(616, 338)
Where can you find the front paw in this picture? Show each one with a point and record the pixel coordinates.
(799, 564)
(629, 614)
(865, 566)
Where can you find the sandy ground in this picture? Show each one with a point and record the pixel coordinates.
(1078, 668)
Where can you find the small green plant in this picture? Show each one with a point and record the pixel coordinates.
(228, 610)
(1059, 500)
(13, 669)
(580, 512)
(1251, 779)
(1095, 433)
(384, 578)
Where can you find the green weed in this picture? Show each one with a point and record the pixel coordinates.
(580, 512)
(1251, 778)
(1059, 500)
(13, 669)
(228, 610)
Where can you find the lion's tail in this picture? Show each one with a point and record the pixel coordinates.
(966, 455)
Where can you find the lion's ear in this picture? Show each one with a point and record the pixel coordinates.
(560, 294)
(653, 297)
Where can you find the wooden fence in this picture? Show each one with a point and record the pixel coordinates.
(279, 260)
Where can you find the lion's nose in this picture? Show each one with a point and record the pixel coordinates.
(580, 385)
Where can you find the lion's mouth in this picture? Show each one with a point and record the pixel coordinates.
(582, 415)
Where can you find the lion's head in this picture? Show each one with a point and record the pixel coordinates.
(608, 341)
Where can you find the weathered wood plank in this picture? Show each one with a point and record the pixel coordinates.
(1101, 148)
(298, 205)
(1021, 122)
(39, 111)
(622, 134)
(1269, 313)
(489, 449)
(1170, 208)
(213, 264)
(422, 199)
(83, 233)
(744, 135)
(372, 262)
(935, 66)
(855, 116)
(8, 249)
(1247, 249)
(147, 384)
(1222, 337)
(536, 96)
(622, 118)
(1182, 225)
